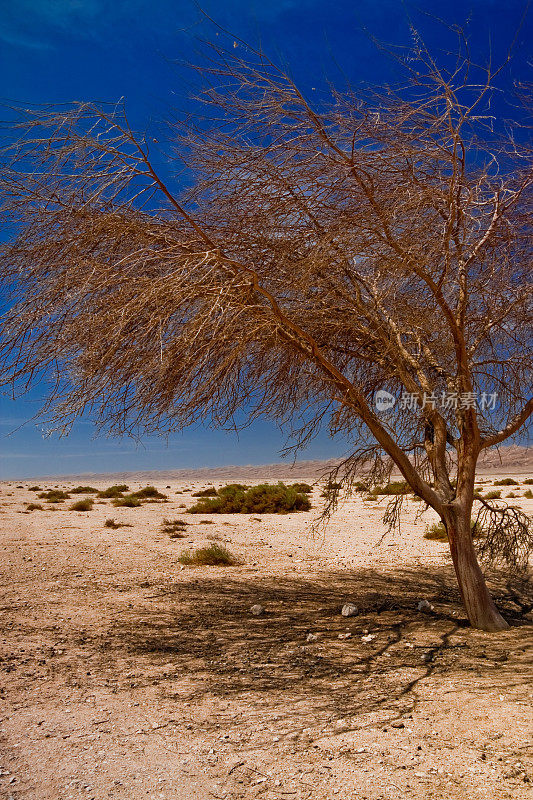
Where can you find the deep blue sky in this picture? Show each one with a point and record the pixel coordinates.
(62, 50)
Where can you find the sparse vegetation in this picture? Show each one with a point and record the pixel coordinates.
(265, 498)
(209, 492)
(528, 494)
(54, 496)
(506, 482)
(34, 507)
(213, 555)
(82, 505)
(114, 491)
(83, 490)
(174, 527)
(437, 532)
(330, 488)
(34, 489)
(492, 495)
(126, 501)
(528, 482)
(394, 487)
(110, 523)
(512, 494)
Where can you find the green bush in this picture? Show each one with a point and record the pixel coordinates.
(395, 487)
(34, 507)
(127, 501)
(83, 490)
(82, 505)
(492, 496)
(54, 496)
(528, 482)
(262, 499)
(304, 488)
(213, 555)
(34, 489)
(148, 493)
(114, 491)
(506, 482)
(209, 492)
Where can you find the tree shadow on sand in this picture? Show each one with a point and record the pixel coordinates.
(202, 628)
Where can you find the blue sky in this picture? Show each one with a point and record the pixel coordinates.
(62, 50)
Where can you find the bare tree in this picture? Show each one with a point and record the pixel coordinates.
(373, 240)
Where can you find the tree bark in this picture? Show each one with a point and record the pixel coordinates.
(478, 603)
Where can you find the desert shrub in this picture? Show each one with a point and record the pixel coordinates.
(83, 490)
(212, 555)
(506, 482)
(34, 507)
(528, 494)
(528, 482)
(114, 491)
(370, 498)
(110, 523)
(148, 493)
(304, 488)
(174, 527)
(359, 486)
(209, 492)
(492, 496)
(54, 496)
(34, 489)
(82, 505)
(437, 531)
(126, 501)
(394, 487)
(330, 488)
(182, 505)
(262, 499)
(512, 494)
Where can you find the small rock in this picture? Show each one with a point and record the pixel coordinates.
(423, 605)
(311, 637)
(341, 726)
(397, 724)
(345, 636)
(257, 610)
(368, 637)
(349, 610)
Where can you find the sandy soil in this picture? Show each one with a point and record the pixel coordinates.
(125, 675)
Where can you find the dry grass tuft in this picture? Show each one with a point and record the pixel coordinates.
(213, 555)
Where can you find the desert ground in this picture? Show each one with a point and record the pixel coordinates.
(127, 675)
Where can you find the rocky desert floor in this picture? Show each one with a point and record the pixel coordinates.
(126, 675)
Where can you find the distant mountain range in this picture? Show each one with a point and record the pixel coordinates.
(514, 459)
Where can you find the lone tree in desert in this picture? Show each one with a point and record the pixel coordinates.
(323, 254)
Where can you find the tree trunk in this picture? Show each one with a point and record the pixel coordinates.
(478, 603)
